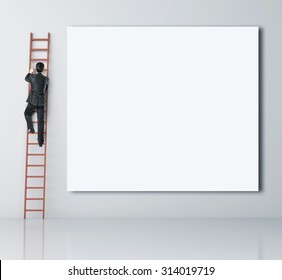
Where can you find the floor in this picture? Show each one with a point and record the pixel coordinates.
(141, 239)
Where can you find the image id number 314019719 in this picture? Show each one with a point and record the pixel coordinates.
(194, 270)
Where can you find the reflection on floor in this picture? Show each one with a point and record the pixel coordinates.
(141, 239)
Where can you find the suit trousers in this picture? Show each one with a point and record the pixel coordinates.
(30, 109)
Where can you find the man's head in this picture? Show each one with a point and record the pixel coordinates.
(39, 67)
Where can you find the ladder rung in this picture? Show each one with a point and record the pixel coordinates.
(33, 143)
(35, 165)
(37, 121)
(34, 210)
(38, 49)
(35, 133)
(33, 176)
(40, 39)
(36, 113)
(34, 198)
(35, 188)
(39, 59)
(36, 154)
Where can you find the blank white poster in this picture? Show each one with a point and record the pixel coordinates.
(162, 109)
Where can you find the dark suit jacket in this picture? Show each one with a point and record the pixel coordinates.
(38, 88)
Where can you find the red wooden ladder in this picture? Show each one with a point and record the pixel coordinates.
(36, 193)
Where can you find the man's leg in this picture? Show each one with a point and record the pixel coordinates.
(29, 110)
(40, 119)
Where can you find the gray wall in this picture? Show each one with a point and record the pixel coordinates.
(18, 18)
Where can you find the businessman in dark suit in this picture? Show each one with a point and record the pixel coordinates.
(36, 100)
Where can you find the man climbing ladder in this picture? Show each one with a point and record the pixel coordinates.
(35, 163)
(36, 100)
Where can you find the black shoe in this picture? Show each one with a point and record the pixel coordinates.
(40, 144)
(31, 130)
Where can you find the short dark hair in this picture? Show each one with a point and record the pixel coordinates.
(39, 67)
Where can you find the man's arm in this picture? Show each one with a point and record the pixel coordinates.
(47, 84)
(27, 77)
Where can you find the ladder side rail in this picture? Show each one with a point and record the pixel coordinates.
(27, 136)
(46, 115)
